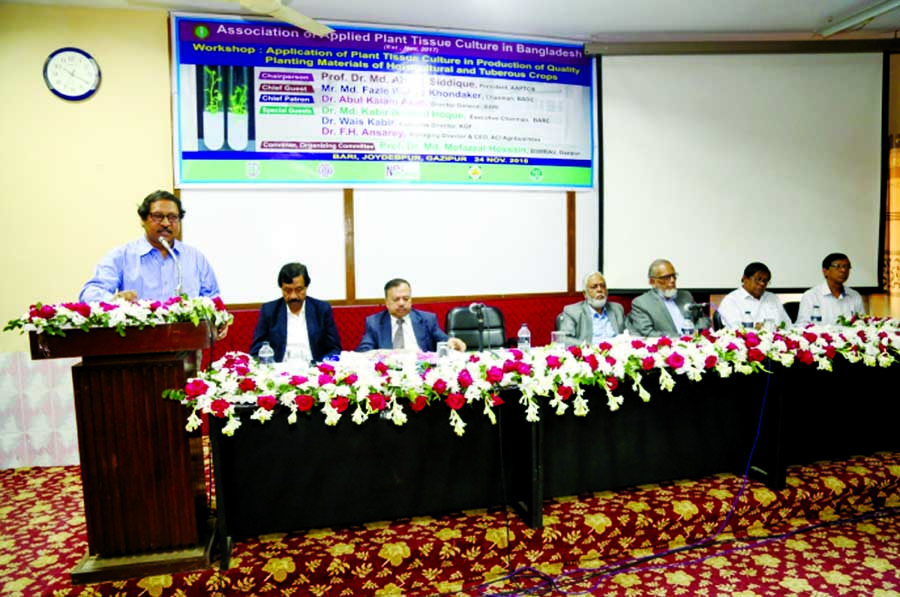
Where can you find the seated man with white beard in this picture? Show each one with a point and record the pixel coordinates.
(663, 310)
(593, 319)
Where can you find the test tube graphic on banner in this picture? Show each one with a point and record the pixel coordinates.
(213, 108)
(238, 107)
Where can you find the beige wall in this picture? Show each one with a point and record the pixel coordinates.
(74, 172)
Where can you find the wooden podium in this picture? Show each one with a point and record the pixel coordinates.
(141, 471)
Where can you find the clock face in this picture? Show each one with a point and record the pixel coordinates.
(72, 74)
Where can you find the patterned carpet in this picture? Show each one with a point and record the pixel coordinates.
(833, 531)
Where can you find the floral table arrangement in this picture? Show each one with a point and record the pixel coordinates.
(120, 314)
(390, 385)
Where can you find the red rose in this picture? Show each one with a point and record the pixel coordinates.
(377, 401)
(154, 306)
(509, 365)
(464, 378)
(516, 353)
(755, 355)
(326, 368)
(494, 375)
(304, 402)
(523, 368)
(675, 361)
(325, 379)
(830, 351)
(350, 379)
(267, 402)
(553, 362)
(381, 368)
(862, 336)
(340, 403)
(247, 385)
(564, 392)
(496, 400)
(805, 357)
(610, 360)
(241, 370)
(591, 360)
(297, 380)
(220, 306)
(173, 300)
(711, 361)
(612, 383)
(637, 343)
(42, 312)
(731, 347)
(418, 403)
(827, 337)
(81, 308)
(751, 339)
(474, 358)
(218, 407)
(108, 306)
(196, 387)
(439, 386)
(648, 363)
(653, 348)
(604, 346)
(809, 337)
(455, 400)
(664, 341)
(575, 351)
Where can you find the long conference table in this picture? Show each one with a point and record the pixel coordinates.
(277, 477)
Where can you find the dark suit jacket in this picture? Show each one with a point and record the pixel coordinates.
(649, 316)
(577, 320)
(272, 328)
(378, 331)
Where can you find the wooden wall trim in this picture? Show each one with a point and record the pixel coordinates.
(349, 248)
(571, 248)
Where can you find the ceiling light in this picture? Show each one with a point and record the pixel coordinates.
(859, 18)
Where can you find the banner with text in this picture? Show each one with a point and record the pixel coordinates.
(264, 103)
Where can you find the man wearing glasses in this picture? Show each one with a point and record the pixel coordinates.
(831, 298)
(752, 303)
(144, 269)
(664, 310)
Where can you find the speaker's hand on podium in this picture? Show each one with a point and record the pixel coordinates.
(128, 295)
(222, 332)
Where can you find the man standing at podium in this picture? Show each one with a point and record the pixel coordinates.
(156, 265)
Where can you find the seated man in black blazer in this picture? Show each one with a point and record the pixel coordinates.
(401, 327)
(295, 321)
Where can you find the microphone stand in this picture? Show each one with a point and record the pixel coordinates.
(168, 247)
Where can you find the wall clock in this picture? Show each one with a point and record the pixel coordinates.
(72, 74)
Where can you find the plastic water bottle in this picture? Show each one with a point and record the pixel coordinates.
(524, 338)
(266, 354)
(816, 316)
(748, 320)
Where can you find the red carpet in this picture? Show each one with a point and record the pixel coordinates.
(583, 548)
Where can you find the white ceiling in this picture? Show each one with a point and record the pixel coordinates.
(576, 20)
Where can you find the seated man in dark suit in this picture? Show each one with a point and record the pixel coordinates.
(593, 319)
(401, 327)
(296, 324)
(664, 310)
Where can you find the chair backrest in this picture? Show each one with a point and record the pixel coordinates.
(463, 324)
(717, 321)
(792, 308)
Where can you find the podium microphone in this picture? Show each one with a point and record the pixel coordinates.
(476, 308)
(168, 247)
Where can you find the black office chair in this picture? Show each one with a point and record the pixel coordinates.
(717, 321)
(792, 308)
(463, 324)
